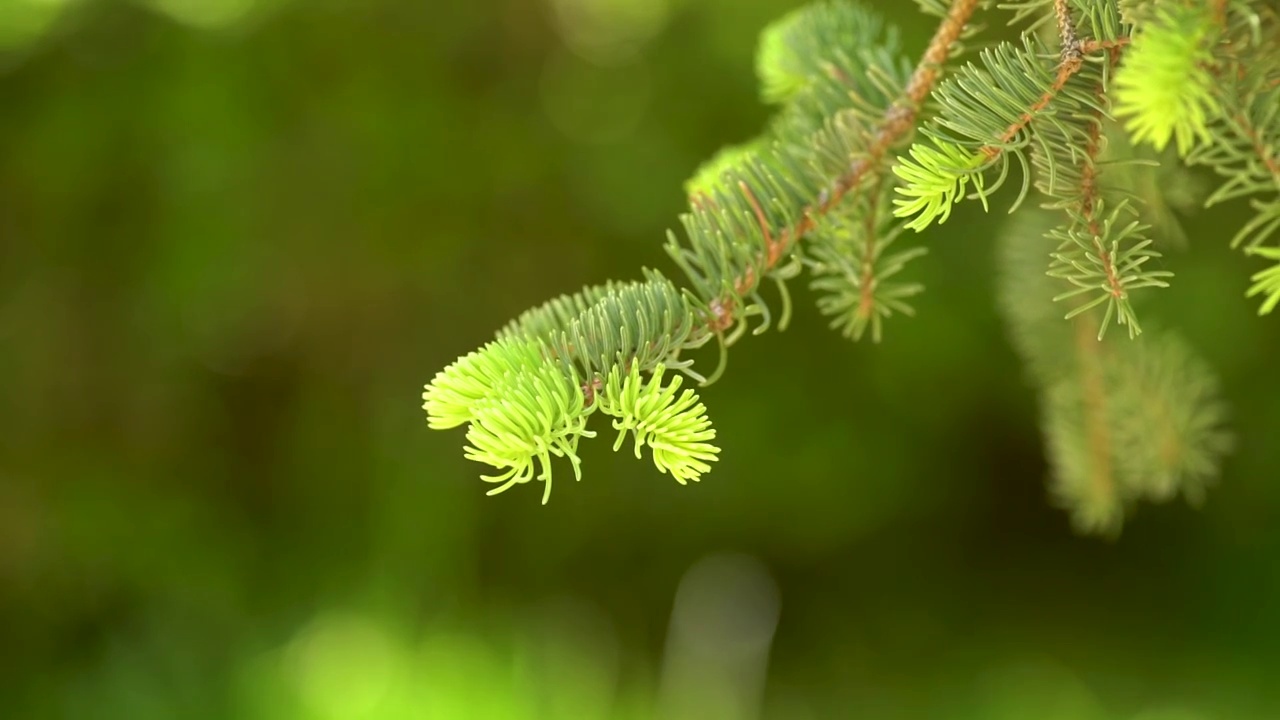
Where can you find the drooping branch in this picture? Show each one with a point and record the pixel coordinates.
(1089, 351)
(1090, 194)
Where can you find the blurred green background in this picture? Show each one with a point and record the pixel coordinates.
(236, 238)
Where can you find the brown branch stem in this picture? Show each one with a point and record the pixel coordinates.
(1088, 47)
(897, 122)
(1089, 190)
(1088, 207)
(1071, 63)
(1088, 350)
(1268, 158)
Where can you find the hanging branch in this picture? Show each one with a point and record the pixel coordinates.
(1121, 421)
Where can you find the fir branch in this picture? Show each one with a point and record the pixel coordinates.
(896, 123)
(1266, 154)
(1088, 204)
(644, 322)
(1122, 422)
(1089, 349)
(1066, 69)
(1096, 263)
(750, 206)
(521, 411)
(1139, 421)
(786, 61)
(1089, 193)
(1091, 255)
(966, 142)
(854, 269)
(1071, 62)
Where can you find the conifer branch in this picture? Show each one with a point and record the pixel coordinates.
(1089, 349)
(1090, 200)
(897, 122)
(1070, 64)
(1123, 420)
(966, 142)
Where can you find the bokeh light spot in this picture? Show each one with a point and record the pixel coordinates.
(722, 625)
(1038, 687)
(606, 32)
(205, 14)
(24, 21)
(343, 666)
(1171, 712)
(574, 639)
(460, 675)
(591, 104)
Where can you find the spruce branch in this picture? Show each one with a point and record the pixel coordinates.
(1122, 421)
(838, 175)
(854, 268)
(896, 123)
(527, 395)
(1098, 252)
(986, 115)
